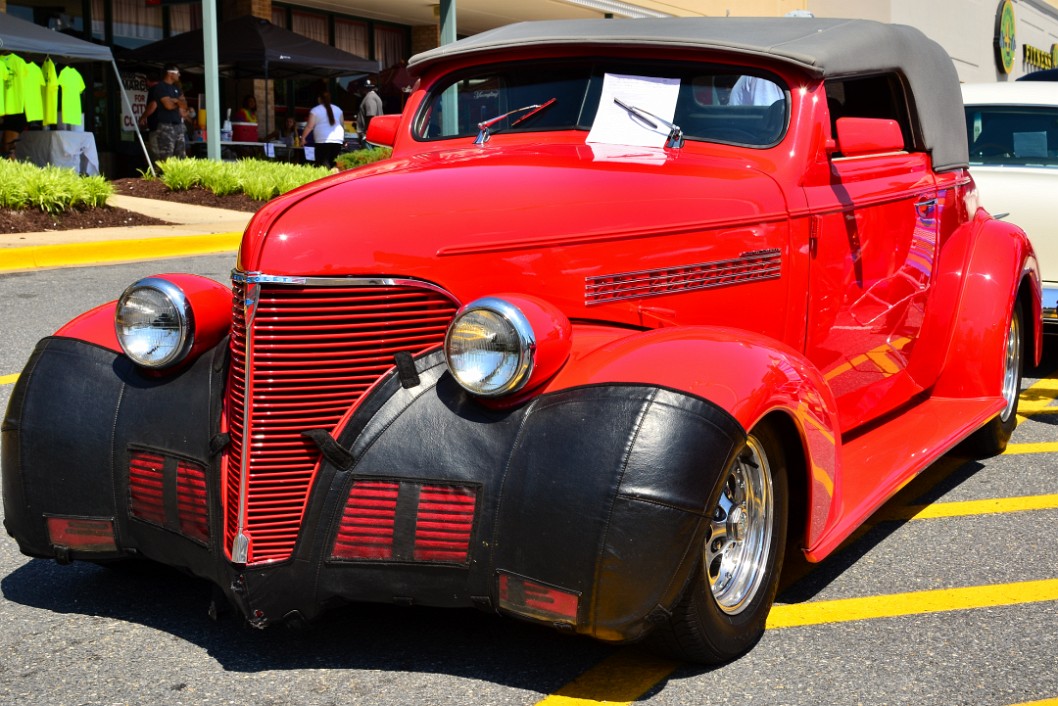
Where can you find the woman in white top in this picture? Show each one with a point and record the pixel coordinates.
(328, 130)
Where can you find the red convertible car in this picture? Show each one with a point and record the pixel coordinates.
(635, 308)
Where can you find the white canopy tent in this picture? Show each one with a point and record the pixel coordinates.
(25, 38)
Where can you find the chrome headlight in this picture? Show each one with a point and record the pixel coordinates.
(490, 347)
(154, 323)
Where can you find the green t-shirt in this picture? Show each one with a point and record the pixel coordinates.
(50, 93)
(72, 84)
(3, 85)
(33, 88)
(14, 93)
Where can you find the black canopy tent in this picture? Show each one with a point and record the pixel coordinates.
(255, 48)
(25, 38)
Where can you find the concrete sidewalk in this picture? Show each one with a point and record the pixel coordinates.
(197, 230)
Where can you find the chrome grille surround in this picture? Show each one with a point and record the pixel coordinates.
(304, 350)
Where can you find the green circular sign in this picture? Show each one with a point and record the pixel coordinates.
(1006, 47)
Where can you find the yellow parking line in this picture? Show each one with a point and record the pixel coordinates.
(628, 674)
(1042, 447)
(619, 679)
(967, 508)
(918, 603)
(1044, 702)
(8, 379)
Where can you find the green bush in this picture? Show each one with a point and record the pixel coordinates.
(259, 179)
(358, 158)
(51, 189)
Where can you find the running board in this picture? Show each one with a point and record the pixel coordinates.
(908, 445)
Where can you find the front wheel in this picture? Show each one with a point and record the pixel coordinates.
(992, 438)
(723, 609)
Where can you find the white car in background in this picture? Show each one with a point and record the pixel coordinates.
(1013, 135)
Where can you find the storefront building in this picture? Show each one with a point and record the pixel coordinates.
(989, 40)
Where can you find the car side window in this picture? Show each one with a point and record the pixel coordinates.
(1013, 135)
(880, 96)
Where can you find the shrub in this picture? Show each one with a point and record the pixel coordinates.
(358, 158)
(51, 189)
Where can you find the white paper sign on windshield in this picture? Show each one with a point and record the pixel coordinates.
(616, 125)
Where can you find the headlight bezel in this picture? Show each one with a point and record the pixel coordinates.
(185, 321)
(523, 333)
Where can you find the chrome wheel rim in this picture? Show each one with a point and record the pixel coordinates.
(740, 531)
(1012, 365)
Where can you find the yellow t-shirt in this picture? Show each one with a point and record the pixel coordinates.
(33, 85)
(3, 84)
(72, 84)
(14, 94)
(50, 93)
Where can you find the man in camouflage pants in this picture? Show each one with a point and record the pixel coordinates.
(171, 104)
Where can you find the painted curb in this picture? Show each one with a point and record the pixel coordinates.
(93, 253)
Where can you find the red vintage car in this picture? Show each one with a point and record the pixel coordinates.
(634, 307)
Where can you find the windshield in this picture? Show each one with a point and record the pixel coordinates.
(719, 104)
(1013, 135)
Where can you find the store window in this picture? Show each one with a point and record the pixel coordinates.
(279, 17)
(184, 18)
(310, 25)
(135, 23)
(391, 46)
(352, 37)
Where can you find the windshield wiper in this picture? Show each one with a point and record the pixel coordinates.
(675, 138)
(485, 134)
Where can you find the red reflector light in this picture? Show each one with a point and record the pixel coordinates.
(81, 533)
(537, 601)
(437, 524)
(169, 492)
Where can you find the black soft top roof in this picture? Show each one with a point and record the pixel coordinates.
(821, 47)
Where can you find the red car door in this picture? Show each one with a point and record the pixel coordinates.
(874, 233)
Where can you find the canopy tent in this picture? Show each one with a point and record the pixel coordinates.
(22, 38)
(255, 48)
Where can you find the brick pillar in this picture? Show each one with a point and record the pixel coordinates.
(238, 8)
(424, 37)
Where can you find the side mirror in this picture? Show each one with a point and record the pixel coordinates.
(382, 130)
(858, 136)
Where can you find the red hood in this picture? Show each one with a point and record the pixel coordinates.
(494, 212)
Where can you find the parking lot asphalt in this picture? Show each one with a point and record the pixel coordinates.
(194, 230)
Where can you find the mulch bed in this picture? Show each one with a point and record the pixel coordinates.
(33, 220)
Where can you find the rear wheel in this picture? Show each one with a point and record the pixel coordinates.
(723, 609)
(992, 438)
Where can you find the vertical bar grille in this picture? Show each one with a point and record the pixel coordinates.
(146, 487)
(316, 350)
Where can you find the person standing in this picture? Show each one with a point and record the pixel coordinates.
(328, 131)
(171, 105)
(370, 106)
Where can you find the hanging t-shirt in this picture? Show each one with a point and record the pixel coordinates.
(14, 94)
(72, 85)
(3, 84)
(50, 93)
(33, 86)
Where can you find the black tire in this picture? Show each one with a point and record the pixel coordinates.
(992, 438)
(717, 620)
